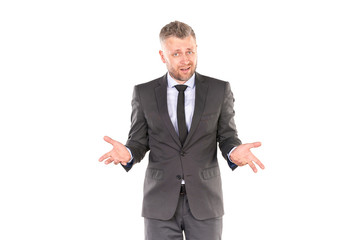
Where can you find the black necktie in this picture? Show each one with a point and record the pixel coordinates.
(181, 113)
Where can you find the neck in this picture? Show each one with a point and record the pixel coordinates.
(177, 80)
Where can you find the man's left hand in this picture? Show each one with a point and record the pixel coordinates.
(242, 156)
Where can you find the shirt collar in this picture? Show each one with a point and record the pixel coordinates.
(172, 83)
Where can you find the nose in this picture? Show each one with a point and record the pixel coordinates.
(185, 59)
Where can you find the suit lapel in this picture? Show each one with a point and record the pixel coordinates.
(200, 99)
(161, 98)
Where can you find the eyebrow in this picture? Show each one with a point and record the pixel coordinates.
(179, 50)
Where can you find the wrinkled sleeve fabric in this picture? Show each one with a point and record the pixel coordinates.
(138, 140)
(226, 131)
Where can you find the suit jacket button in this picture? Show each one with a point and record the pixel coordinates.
(178, 177)
(182, 153)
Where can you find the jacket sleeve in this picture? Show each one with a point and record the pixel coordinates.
(138, 140)
(226, 131)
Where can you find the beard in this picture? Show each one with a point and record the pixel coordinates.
(178, 75)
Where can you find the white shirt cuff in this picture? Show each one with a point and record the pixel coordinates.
(130, 155)
(230, 153)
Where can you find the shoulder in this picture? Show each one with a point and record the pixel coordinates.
(151, 84)
(213, 82)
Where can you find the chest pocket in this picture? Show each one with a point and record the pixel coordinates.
(208, 116)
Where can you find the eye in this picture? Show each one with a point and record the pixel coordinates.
(176, 54)
(190, 52)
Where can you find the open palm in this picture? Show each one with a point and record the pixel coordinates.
(242, 156)
(119, 153)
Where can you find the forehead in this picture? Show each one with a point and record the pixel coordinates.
(174, 43)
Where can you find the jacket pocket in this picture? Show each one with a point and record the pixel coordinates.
(208, 116)
(153, 173)
(209, 173)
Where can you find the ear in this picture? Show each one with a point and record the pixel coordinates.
(162, 56)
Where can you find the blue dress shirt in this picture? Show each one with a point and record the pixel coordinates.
(172, 96)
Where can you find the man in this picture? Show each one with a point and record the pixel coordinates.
(180, 117)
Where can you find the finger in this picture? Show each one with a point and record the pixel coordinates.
(109, 140)
(103, 157)
(116, 161)
(253, 167)
(109, 160)
(257, 161)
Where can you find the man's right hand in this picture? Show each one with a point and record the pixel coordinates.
(119, 153)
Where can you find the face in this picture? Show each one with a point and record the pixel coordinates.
(180, 57)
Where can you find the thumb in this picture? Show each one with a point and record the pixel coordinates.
(109, 139)
(256, 144)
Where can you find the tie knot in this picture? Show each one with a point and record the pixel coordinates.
(181, 88)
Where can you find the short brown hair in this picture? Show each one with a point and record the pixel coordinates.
(176, 29)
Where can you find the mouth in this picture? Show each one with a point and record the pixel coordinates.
(185, 70)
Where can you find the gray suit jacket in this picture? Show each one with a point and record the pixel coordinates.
(196, 161)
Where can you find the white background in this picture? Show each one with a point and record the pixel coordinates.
(67, 71)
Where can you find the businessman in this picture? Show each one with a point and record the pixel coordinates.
(180, 117)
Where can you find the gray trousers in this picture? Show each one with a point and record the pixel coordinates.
(183, 221)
